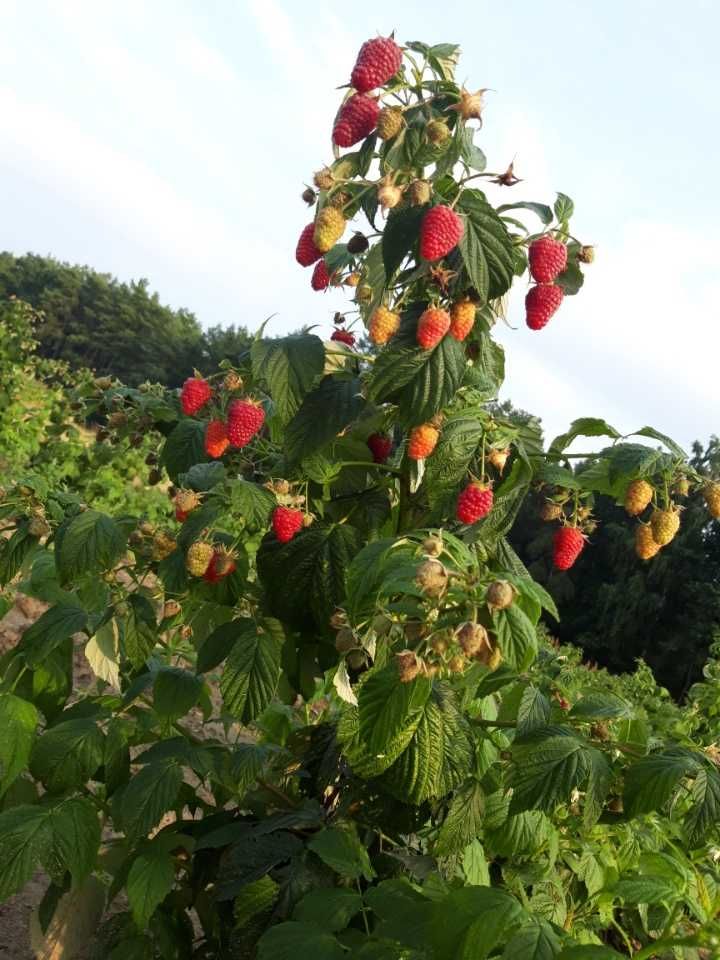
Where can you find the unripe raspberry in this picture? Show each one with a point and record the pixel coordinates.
(364, 293)
(171, 608)
(473, 639)
(185, 502)
(352, 280)
(216, 438)
(422, 442)
(500, 595)
(340, 199)
(637, 496)
(380, 446)
(440, 232)
(344, 336)
(38, 527)
(390, 122)
(665, 524)
(645, 546)
(541, 302)
(320, 279)
(286, 522)
(682, 487)
(431, 577)
(419, 193)
(198, 557)
(470, 105)
(345, 641)
(439, 644)
(474, 502)
(437, 132)
(568, 544)
(358, 243)
(462, 319)
(389, 196)
(117, 420)
(356, 120)
(232, 381)
(163, 546)
(329, 227)
(550, 511)
(711, 493)
(338, 618)
(408, 666)
(245, 419)
(547, 258)
(456, 664)
(194, 395)
(498, 458)
(384, 324)
(586, 254)
(280, 487)
(377, 62)
(306, 252)
(221, 565)
(324, 179)
(432, 326)
(496, 658)
(432, 546)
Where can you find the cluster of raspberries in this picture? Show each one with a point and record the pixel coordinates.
(244, 417)
(548, 259)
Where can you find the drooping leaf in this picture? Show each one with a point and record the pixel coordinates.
(151, 792)
(102, 652)
(68, 754)
(325, 413)
(540, 209)
(400, 236)
(91, 543)
(18, 722)
(704, 814)
(583, 427)
(139, 629)
(292, 939)
(149, 881)
(184, 447)
(251, 857)
(339, 847)
(25, 840)
(389, 711)
(517, 637)
(175, 692)
(252, 669)
(650, 783)
(535, 940)
(533, 712)
(290, 366)
(463, 820)
(75, 828)
(50, 630)
(331, 910)
(485, 246)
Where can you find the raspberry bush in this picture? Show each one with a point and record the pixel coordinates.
(326, 719)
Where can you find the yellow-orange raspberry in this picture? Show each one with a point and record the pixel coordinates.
(384, 324)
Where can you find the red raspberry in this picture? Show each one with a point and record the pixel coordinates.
(547, 258)
(344, 336)
(245, 418)
(306, 253)
(432, 326)
(380, 446)
(221, 565)
(379, 60)
(440, 232)
(541, 303)
(180, 515)
(216, 438)
(357, 118)
(320, 279)
(286, 522)
(194, 395)
(568, 543)
(474, 502)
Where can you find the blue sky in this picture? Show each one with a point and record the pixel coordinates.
(171, 140)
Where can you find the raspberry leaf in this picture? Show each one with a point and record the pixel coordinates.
(90, 544)
(290, 367)
(325, 412)
(184, 447)
(400, 237)
(486, 246)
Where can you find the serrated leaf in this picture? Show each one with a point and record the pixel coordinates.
(472, 921)
(251, 501)
(18, 722)
(541, 210)
(325, 413)
(290, 366)
(598, 784)
(463, 820)
(25, 839)
(487, 373)
(254, 899)
(704, 814)
(600, 706)
(102, 652)
(400, 236)
(339, 847)
(291, 940)
(14, 551)
(68, 754)
(662, 438)
(75, 828)
(651, 782)
(175, 692)
(458, 443)
(546, 768)
(330, 909)
(517, 637)
(645, 889)
(50, 630)
(389, 711)
(533, 711)
(139, 632)
(571, 279)
(470, 153)
(534, 941)
(556, 476)
(485, 246)
(252, 669)
(583, 427)
(522, 834)
(251, 858)
(151, 792)
(151, 878)
(528, 587)
(563, 207)
(91, 543)
(184, 447)
(203, 476)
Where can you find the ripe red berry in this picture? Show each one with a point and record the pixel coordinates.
(194, 395)
(432, 326)
(541, 303)
(547, 258)
(245, 418)
(440, 232)
(286, 522)
(474, 502)
(379, 59)
(380, 446)
(306, 253)
(357, 119)
(344, 336)
(320, 279)
(568, 543)
(216, 438)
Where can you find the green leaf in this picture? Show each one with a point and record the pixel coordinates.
(290, 366)
(139, 630)
(472, 921)
(563, 207)
(546, 768)
(530, 588)
(252, 670)
(487, 372)
(400, 236)
(475, 865)
(304, 580)
(540, 209)
(629, 460)
(589, 951)
(331, 910)
(151, 792)
(584, 427)
(292, 940)
(216, 647)
(601, 706)
(339, 847)
(485, 246)
(645, 889)
(102, 652)
(75, 827)
(517, 637)
(251, 858)
(662, 438)
(458, 443)
(704, 815)
(175, 692)
(389, 711)
(571, 279)
(533, 712)
(25, 840)
(67, 755)
(50, 630)
(150, 880)
(14, 551)
(650, 783)
(183, 448)
(203, 476)
(254, 899)
(598, 784)
(556, 476)
(18, 722)
(250, 501)
(463, 820)
(535, 940)
(325, 413)
(91, 543)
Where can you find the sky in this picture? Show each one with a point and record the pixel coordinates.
(171, 140)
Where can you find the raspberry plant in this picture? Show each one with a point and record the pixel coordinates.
(326, 720)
